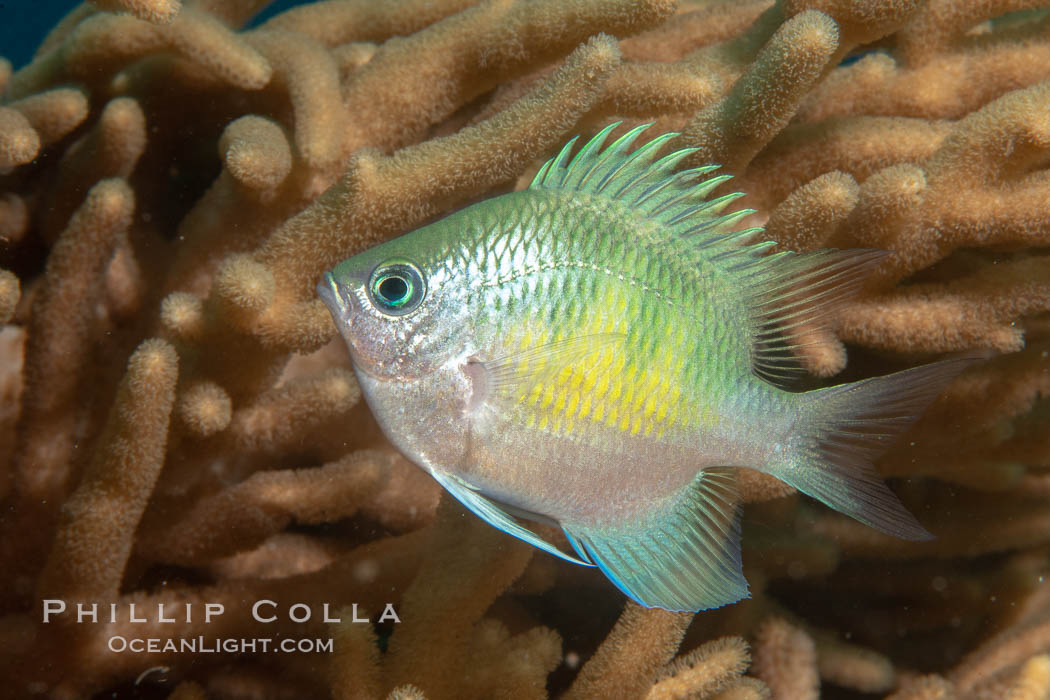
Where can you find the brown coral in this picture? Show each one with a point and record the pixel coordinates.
(177, 427)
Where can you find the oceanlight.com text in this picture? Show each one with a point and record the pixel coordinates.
(205, 645)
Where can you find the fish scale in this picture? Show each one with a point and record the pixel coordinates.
(603, 351)
(619, 390)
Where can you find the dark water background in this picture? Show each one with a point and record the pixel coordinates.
(24, 23)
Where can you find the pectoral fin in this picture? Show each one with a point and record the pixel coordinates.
(511, 375)
(495, 515)
(686, 558)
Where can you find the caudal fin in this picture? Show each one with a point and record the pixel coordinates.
(840, 431)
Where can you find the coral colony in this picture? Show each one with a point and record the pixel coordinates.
(182, 432)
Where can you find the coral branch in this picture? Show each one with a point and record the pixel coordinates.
(354, 666)
(55, 113)
(858, 146)
(706, 670)
(101, 43)
(786, 659)
(934, 27)
(996, 143)
(98, 523)
(262, 505)
(1008, 649)
(19, 142)
(705, 24)
(10, 292)
(512, 37)
(468, 565)
(14, 218)
(59, 328)
(279, 419)
(949, 87)
(256, 152)
(311, 77)
(110, 149)
(157, 11)
(860, 22)
(181, 315)
(336, 22)
(853, 667)
(631, 659)
(809, 217)
(974, 311)
(732, 131)
(205, 409)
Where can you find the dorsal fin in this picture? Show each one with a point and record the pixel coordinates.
(649, 185)
(790, 295)
(787, 294)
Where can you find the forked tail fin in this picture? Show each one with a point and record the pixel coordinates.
(841, 429)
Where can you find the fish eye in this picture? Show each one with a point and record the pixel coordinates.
(396, 288)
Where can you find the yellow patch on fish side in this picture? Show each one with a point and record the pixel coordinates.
(608, 391)
(631, 387)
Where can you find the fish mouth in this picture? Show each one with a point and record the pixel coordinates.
(332, 295)
(328, 290)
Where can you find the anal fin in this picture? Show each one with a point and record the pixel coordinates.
(685, 558)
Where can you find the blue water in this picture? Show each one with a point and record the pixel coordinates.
(25, 23)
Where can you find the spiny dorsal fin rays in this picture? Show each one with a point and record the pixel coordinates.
(662, 172)
(590, 157)
(648, 151)
(555, 167)
(732, 239)
(645, 183)
(701, 190)
(709, 245)
(622, 145)
(589, 162)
